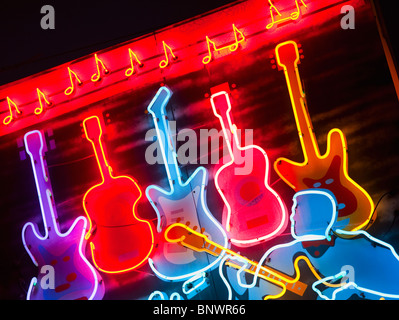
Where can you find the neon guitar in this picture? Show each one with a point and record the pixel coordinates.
(185, 236)
(329, 171)
(184, 201)
(119, 240)
(253, 211)
(74, 277)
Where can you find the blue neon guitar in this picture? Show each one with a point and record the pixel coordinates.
(184, 202)
(74, 277)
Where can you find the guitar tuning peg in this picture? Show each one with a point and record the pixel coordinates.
(202, 230)
(178, 220)
(195, 228)
(187, 223)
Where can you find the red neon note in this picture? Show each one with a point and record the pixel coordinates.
(328, 171)
(253, 211)
(119, 239)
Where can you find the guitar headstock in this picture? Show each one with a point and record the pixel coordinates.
(158, 103)
(220, 102)
(181, 233)
(34, 143)
(287, 54)
(92, 128)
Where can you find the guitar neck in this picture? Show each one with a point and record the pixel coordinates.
(34, 145)
(102, 161)
(266, 273)
(298, 102)
(222, 109)
(167, 143)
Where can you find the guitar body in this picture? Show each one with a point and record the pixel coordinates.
(330, 172)
(186, 204)
(64, 271)
(75, 278)
(253, 210)
(120, 241)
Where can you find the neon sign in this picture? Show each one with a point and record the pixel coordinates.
(184, 201)
(253, 211)
(329, 171)
(61, 95)
(187, 237)
(41, 97)
(313, 220)
(291, 17)
(75, 277)
(238, 38)
(133, 60)
(165, 62)
(97, 76)
(10, 117)
(71, 88)
(122, 241)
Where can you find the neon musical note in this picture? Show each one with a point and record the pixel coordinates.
(164, 63)
(71, 88)
(133, 60)
(293, 16)
(232, 47)
(11, 104)
(40, 96)
(97, 76)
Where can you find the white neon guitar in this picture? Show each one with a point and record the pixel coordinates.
(184, 202)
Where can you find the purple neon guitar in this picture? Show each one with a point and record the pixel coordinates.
(64, 271)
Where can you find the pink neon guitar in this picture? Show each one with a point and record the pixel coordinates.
(74, 277)
(253, 211)
(120, 240)
(329, 171)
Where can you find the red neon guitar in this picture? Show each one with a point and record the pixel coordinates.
(120, 241)
(253, 211)
(329, 171)
(73, 277)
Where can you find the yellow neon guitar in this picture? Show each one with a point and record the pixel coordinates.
(328, 171)
(189, 238)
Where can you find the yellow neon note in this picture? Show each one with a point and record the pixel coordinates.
(238, 38)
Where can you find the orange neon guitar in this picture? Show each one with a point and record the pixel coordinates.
(253, 211)
(119, 239)
(329, 171)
